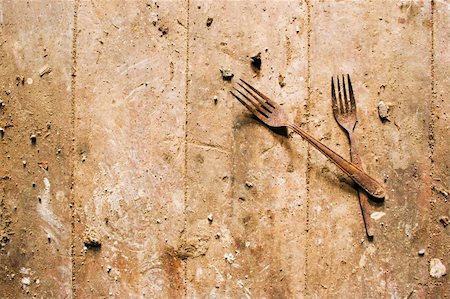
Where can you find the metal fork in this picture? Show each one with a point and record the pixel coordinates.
(273, 115)
(344, 112)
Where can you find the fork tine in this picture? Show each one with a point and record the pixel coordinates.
(253, 102)
(250, 108)
(352, 96)
(333, 98)
(255, 109)
(268, 100)
(341, 105)
(346, 100)
(246, 105)
(263, 103)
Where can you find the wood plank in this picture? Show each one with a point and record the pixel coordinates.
(438, 249)
(129, 184)
(35, 218)
(385, 46)
(250, 179)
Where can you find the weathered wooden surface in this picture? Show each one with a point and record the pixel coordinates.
(161, 185)
(129, 160)
(439, 236)
(35, 218)
(249, 179)
(379, 43)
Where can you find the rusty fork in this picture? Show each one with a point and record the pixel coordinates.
(344, 110)
(273, 115)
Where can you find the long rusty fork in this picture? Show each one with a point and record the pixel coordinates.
(344, 111)
(273, 115)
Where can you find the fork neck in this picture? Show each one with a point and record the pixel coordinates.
(354, 154)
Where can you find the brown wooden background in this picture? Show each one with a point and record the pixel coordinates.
(138, 142)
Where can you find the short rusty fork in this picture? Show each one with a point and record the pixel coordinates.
(344, 110)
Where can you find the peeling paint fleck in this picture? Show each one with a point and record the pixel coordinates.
(437, 268)
(377, 215)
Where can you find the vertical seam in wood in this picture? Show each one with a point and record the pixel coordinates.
(308, 156)
(433, 87)
(431, 139)
(72, 154)
(186, 139)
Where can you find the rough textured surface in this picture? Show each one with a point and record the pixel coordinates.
(439, 235)
(128, 170)
(248, 177)
(129, 148)
(35, 227)
(388, 71)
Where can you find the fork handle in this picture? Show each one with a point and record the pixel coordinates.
(363, 197)
(361, 178)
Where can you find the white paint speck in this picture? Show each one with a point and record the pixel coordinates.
(437, 268)
(377, 215)
(24, 270)
(26, 281)
(44, 208)
(229, 257)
